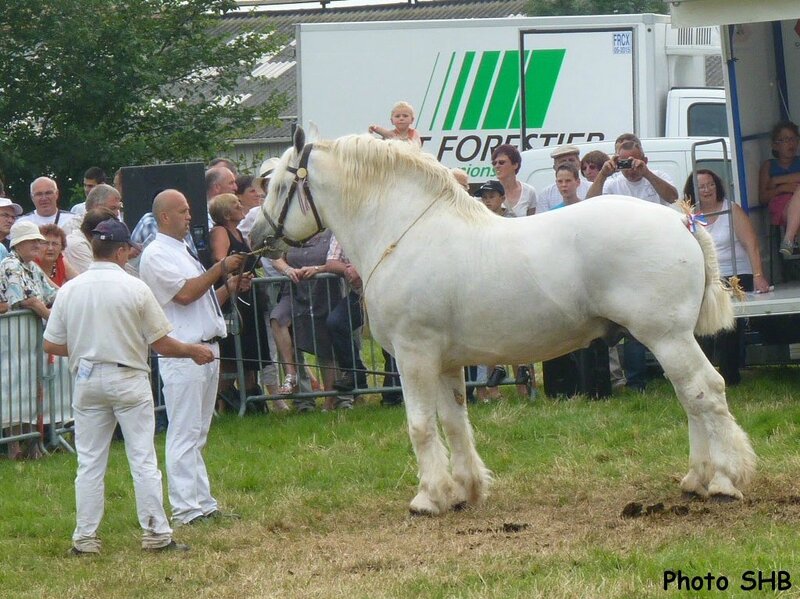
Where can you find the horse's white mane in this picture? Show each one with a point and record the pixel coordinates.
(370, 168)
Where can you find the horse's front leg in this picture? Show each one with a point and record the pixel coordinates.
(422, 385)
(471, 476)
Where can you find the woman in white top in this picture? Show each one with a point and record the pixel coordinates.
(520, 197)
(745, 249)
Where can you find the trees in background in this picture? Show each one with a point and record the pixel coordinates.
(539, 8)
(119, 82)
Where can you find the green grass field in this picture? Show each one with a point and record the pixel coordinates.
(324, 505)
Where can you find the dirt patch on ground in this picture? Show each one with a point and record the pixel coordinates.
(381, 551)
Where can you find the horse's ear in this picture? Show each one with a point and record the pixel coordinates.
(299, 139)
(313, 131)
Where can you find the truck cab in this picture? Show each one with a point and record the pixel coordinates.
(696, 112)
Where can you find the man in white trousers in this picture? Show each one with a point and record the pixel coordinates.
(104, 321)
(185, 290)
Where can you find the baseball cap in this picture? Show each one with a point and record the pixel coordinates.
(564, 150)
(5, 202)
(490, 186)
(24, 230)
(113, 230)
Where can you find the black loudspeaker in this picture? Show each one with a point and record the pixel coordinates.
(140, 184)
(584, 371)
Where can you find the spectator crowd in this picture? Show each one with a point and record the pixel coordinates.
(222, 337)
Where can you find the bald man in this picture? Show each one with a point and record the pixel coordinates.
(184, 289)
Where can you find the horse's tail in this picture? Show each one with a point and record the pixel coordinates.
(716, 311)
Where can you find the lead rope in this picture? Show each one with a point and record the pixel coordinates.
(390, 248)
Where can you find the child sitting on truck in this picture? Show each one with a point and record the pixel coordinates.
(402, 117)
(779, 182)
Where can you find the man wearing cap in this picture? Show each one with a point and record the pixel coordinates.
(627, 174)
(492, 194)
(104, 321)
(550, 197)
(44, 193)
(22, 282)
(9, 211)
(185, 291)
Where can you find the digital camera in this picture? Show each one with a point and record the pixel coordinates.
(624, 163)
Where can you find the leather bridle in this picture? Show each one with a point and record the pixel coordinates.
(300, 179)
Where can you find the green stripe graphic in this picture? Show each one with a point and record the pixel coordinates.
(480, 90)
(497, 102)
(441, 91)
(514, 117)
(540, 83)
(504, 95)
(458, 92)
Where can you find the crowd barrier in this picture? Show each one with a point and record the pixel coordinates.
(312, 315)
(36, 388)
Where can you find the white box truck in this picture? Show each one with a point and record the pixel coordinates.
(761, 51)
(584, 79)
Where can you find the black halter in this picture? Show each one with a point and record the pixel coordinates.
(300, 177)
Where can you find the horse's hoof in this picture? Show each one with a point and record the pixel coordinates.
(722, 498)
(688, 496)
(422, 506)
(459, 507)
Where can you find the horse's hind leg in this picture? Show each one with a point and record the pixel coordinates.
(471, 476)
(721, 457)
(422, 386)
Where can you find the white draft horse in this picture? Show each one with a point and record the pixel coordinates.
(448, 283)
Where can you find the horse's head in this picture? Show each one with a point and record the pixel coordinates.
(288, 215)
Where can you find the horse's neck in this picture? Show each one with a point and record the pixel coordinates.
(375, 228)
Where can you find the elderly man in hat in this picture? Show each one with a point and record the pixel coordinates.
(104, 321)
(551, 197)
(22, 282)
(9, 211)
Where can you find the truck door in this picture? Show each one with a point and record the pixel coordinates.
(577, 85)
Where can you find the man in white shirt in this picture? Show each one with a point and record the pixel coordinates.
(44, 193)
(79, 249)
(93, 177)
(627, 174)
(185, 291)
(104, 321)
(550, 197)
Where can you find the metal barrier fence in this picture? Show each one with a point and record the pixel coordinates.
(21, 393)
(36, 388)
(311, 302)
